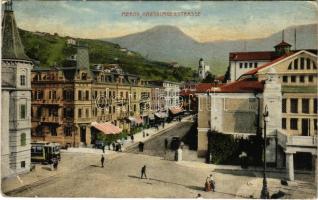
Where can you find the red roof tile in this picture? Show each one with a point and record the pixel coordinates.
(259, 55)
(242, 86)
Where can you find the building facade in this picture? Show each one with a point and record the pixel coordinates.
(67, 100)
(15, 99)
(287, 87)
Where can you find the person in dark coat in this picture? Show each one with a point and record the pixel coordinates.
(114, 146)
(55, 163)
(102, 160)
(143, 172)
(166, 143)
(103, 148)
(132, 137)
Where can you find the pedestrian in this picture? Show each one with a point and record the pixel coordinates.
(143, 172)
(166, 143)
(132, 137)
(114, 146)
(207, 185)
(103, 148)
(102, 160)
(55, 163)
(212, 183)
(199, 196)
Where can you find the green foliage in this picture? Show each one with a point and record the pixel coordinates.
(209, 78)
(226, 149)
(52, 50)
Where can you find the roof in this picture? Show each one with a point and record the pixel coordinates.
(242, 86)
(283, 44)
(107, 128)
(12, 47)
(254, 71)
(257, 55)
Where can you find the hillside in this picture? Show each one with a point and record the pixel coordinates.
(52, 50)
(169, 43)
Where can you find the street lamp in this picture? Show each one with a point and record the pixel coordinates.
(265, 193)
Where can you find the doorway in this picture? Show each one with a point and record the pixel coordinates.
(83, 134)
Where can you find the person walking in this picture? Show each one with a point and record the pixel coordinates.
(55, 163)
(102, 160)
(132, 138)
(103, 148)
(212, 183)
(166, 143)
(143, 172)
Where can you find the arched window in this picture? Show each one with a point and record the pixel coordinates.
(296, 64)
(290, 66)
(308, 63)
(23, 139)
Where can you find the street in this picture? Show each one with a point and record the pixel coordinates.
(81, 175)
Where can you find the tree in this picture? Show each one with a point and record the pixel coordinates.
(209, 78)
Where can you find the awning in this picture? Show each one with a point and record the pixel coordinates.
(136, 120)
(161, 114)
(175, 110)
(107, 128)
(151, 116)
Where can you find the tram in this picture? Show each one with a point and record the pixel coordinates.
(44, 152)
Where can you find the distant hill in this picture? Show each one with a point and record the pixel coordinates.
(52, 50)
(169, 43)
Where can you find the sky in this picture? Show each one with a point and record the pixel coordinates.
(217, 20)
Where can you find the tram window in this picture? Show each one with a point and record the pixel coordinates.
(39, 149)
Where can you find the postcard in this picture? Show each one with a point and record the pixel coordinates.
(159, 99)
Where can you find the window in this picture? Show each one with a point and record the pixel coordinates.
(294, 123)
(305, 105)
(87, 112)
(79, 113)
(84, 76)
(296, 64)
(114, 109)
(314, 65)
(311, 78)
(308, 63)
(284, 106)
(293, 79)
(255, 65)
(241, 65)
(110, 94)
(290, 66)
(68, 131)
(135, 95)
(294, 105)
(110, 110)
(22, 164)
(245, 65)
(53, 131)
(121, 94)
(283, 123)
(79, 95)
(315, 105)
(302, 63)
(251, 65)
(135, 108)
(301, 79)
(23, 139)
(53, 94)
(22, 80)
(87, 95)
(22, 111)
(50, 94)
(285, 79)
(315, 124)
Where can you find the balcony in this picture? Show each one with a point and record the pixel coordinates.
(285, 140)
(51, 119)
(56, 102)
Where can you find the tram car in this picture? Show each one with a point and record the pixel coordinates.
(44, 152)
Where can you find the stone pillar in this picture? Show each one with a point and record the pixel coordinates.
(290, 166)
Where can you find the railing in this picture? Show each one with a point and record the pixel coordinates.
(293, 140)
(51, 119)
(48, 101)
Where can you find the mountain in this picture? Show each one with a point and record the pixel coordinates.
(170, 44)
(52, 50)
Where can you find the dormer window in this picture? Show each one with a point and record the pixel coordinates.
(84, 76)
(22, 80)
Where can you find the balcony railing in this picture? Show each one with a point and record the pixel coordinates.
(293, 140)
(48, 101)
(51, 119)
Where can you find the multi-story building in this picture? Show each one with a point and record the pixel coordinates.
(242, 62)
(68, 101)
(171, 92)
(15, 99)
(287, 87)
